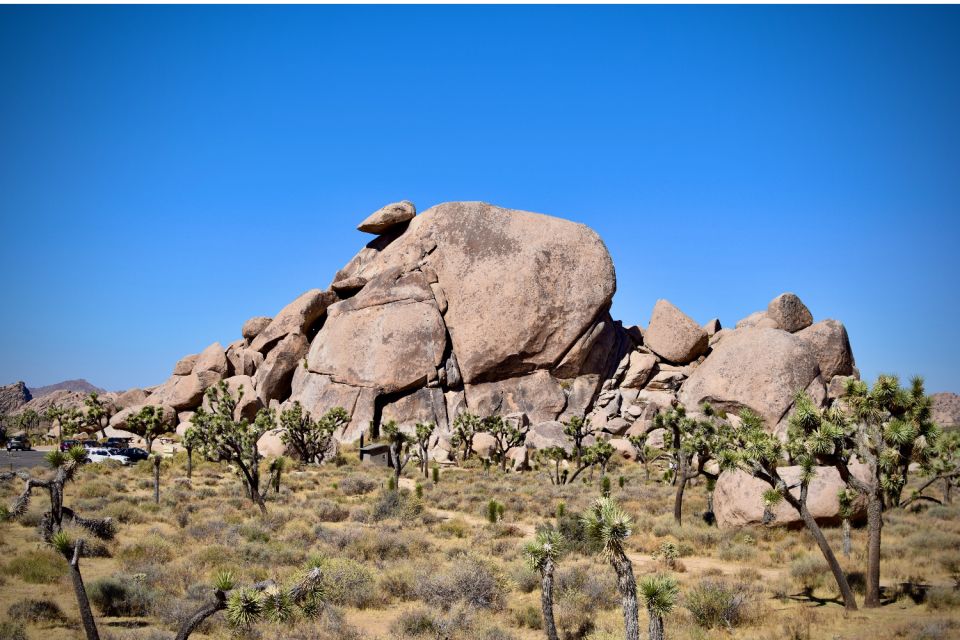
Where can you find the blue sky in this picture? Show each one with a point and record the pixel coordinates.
(168, 172)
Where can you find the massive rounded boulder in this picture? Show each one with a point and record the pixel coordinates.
(673, 335)
(759, 369)
(831, 346)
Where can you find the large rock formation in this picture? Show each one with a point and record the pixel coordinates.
(13, 396)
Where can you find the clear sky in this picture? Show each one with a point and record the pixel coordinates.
(168, 172)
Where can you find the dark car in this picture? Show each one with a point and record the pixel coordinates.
(135, 454)
(18, 444)
(67, 444)
(117, 443)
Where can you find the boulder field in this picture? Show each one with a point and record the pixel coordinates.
(473, 307)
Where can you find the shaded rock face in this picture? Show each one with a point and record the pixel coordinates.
(13, 396)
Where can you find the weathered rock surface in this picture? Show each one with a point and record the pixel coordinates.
(185, 365)
(13, 396)
(213, 359)
(297, 317)
(760, 369)
(673, 335)
(185, 392)
(640, 370)
(254, 326)
(738, 499)
(789, 312)
(274, 376)
(946, 409)
(538, 395)
(242, 389)
(831, 346)
(131, 398)
(243, 361)
(387, 217)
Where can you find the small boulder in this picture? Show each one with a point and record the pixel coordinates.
(185, 364)
(623, 448)
(349, 286)
(640, 370)
(484, 445)
(212, 358)
(544, 435)
(243, 360)
(673, 335)
(751, 320)
(252, 327)
(789, 312)
(385, 218)
(831, 346)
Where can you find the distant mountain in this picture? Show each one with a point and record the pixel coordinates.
(80, 385)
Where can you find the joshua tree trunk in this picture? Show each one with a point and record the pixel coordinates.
(948, 490)
(874, 528)
(156, 479)
(627, 585)
(849, 602)
(546, 600)
(656, 625)
(678, 497)
(83, 603)
(189, 463)
(846, 538)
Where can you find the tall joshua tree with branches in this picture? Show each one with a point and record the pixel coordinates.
(660, 595)
(689, 438)
(542, 554)
(311, 439)
(577, 430)
(506, 435)
(64, 466)
(191, 441)
(758, 452)
(887, 428)
(232, 440)
(399, 443)
(465, 426)
(424, 431)
(98, 413)
(609, 526)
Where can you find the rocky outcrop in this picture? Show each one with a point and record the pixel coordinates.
(13, 396)
(299, 316)
(78, 385)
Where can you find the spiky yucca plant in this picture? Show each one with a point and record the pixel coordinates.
(659, 593)
(542, 554)
(609, 526)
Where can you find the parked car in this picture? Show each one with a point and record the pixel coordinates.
(17, 443)
(116, 443)
(102, 455)
(67, 444)
(134, 453)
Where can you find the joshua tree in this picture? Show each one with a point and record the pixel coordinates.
(465, 426)
(660, 595)
(400, 453)
(887, 428)
(542, 555)
(277, 467)
(156, 478)
(65, 466)
(600, 454)
(609, 526)
(578, 429)
(311, 439)
(751, 448)
(554, 456)
(944, 465)
(689, 438)
(98, 413)
(69, 421)
(149, 423)
(646, 454)
(235, 441)
(244, 606)
(191, 440)
(28, 422)
(506, 435)
(424, 430)
(71, 553)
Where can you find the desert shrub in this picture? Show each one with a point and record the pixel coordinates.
(528, 616)
(124, 512)
(10, 630)
(453, 528)
(399, 582)
(714, 603)
(330, 511)
(598, 588)
(347, 582)
(940, 598)
(41, 566)
(468, 580)
(254, 533)
(494, 633)
(356, 485)
(120, 597)
(808, 572)
(31, 610)
(525, 578)
(379, 546)
(927, 630)
(414, 622)
(152, 549)
(573, 615)
(575, 538)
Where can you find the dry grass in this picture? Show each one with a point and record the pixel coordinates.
(434, 567)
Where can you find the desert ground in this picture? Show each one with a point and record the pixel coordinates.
(428, 562)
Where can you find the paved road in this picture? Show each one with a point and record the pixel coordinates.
(13, 460)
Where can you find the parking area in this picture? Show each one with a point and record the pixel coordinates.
(14, 460)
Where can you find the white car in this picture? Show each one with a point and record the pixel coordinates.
(101, 455)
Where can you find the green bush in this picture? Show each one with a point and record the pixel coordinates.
(42, 566)
(31, 610)
(120, 597)
(469, 580)
(809, 572)
(716, 604)
(347, 582)
(529, 617)
(356, 485)
(329, 511)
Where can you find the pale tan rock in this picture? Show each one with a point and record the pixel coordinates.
(254, 326)
(349, 286)
(518, 459)
(270, 444)
(131, 398)
(752, 320)
(213, 358)
(738, 499)
(243, 360)
(387, 217)
(673, 335)
(623, 448)
(243, 391)
(831, 346)
(761, 369)
(640, 370)
(484, 445)
(712, 327)
(538, 395)
(185, 392)
(837, 387)
(299, 316)
(789, 312)
(185, 365)
(543, 435)
(424, 405)
(273, 378)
